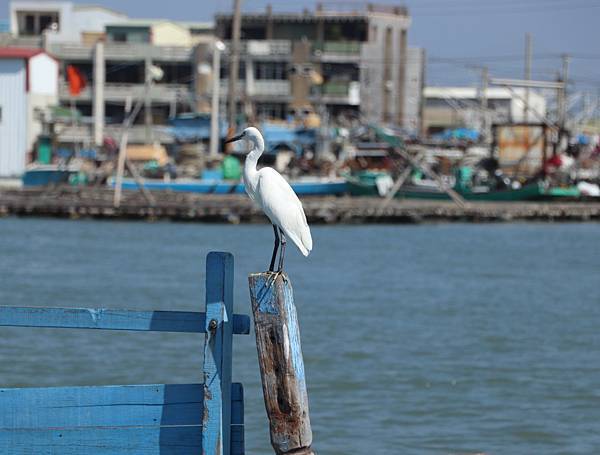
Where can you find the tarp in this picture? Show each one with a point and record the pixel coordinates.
(148, 153)
(192, 127)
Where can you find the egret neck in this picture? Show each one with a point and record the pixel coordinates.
(250, 172)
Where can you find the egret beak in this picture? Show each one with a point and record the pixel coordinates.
(234, 138)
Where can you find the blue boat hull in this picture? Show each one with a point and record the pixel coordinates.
(302, 188)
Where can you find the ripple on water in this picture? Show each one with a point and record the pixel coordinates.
(443, 339)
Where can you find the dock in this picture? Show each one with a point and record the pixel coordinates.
(89, 202)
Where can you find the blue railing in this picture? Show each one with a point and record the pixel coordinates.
(157, 419)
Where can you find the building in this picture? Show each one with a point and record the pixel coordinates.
(356, 63)
(73, 33)
(461, 107)
(60, 21)
(28, 85)
(156, 32)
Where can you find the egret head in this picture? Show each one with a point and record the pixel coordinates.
(251, 134)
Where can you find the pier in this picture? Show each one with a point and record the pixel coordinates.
(74, 202)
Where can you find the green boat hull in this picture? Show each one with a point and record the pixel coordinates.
(531, 192)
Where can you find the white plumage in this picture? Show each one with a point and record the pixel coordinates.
(274, 195)
(279, 202)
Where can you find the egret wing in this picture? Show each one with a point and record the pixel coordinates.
(282, 206)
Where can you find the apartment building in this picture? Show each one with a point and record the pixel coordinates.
(114, 54)
(352, 62)
(331, 62)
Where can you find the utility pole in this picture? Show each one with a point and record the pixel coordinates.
(218, 47)
(147, 100)
(562, 102)
(234, 62)
(528, 48)
(484, 101)
(563, 92)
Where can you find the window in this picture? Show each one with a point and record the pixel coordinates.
(34, 23)
(225, 70)
(29, 25)
(271, 110)
(45, 22)
(270, 70)
(119, 37)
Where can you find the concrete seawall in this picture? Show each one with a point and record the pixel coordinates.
(73, 202)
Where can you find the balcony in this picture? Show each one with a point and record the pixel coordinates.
(338, 92)
(122, 52)
(337, 51)
(137, 134)
(265, 49)
(160, 93)
(265, 88)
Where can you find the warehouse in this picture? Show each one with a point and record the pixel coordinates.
(28, 85)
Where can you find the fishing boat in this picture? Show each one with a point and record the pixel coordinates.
(48, 174)
(374, 183)
(303, 186)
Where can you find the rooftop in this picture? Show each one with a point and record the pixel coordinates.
(342, 12)
(90, 6)
(19, 52)
(470, 92)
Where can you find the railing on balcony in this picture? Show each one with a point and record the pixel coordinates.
(137, 134)
(122, 51)
(335, 88)
(263, 47)
(7, 39)
(271, 87)
(346, 48)
(260, 87)
(344, 92)
(120, 92)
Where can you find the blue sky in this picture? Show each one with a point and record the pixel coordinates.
(456, 34)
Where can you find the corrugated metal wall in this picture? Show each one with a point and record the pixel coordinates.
(13, 121)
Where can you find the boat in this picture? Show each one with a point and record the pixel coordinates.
(47, 174)
(368, 183)
(303, 186)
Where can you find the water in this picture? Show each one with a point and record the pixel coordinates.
(417, 339)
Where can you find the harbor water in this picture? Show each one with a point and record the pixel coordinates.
(432, 339)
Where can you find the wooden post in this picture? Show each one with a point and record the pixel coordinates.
(281, 363)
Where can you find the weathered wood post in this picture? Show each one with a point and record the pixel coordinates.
(281, 363)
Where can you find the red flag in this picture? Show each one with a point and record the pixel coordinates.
(76, 80)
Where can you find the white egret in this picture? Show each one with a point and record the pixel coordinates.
(274, 195)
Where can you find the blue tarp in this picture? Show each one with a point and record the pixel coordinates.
(462, 134)
(192, 127)
(196, 127)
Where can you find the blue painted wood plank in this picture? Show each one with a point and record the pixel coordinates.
(107, 406)
(138, 405)
(237, 419)
(216, 438)
(109, 319)
(186, 440)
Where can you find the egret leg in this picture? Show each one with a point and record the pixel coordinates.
(275, 248)
(282, 253)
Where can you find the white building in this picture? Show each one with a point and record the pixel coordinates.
(28, 83)
(62, 21)
(460, 107)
